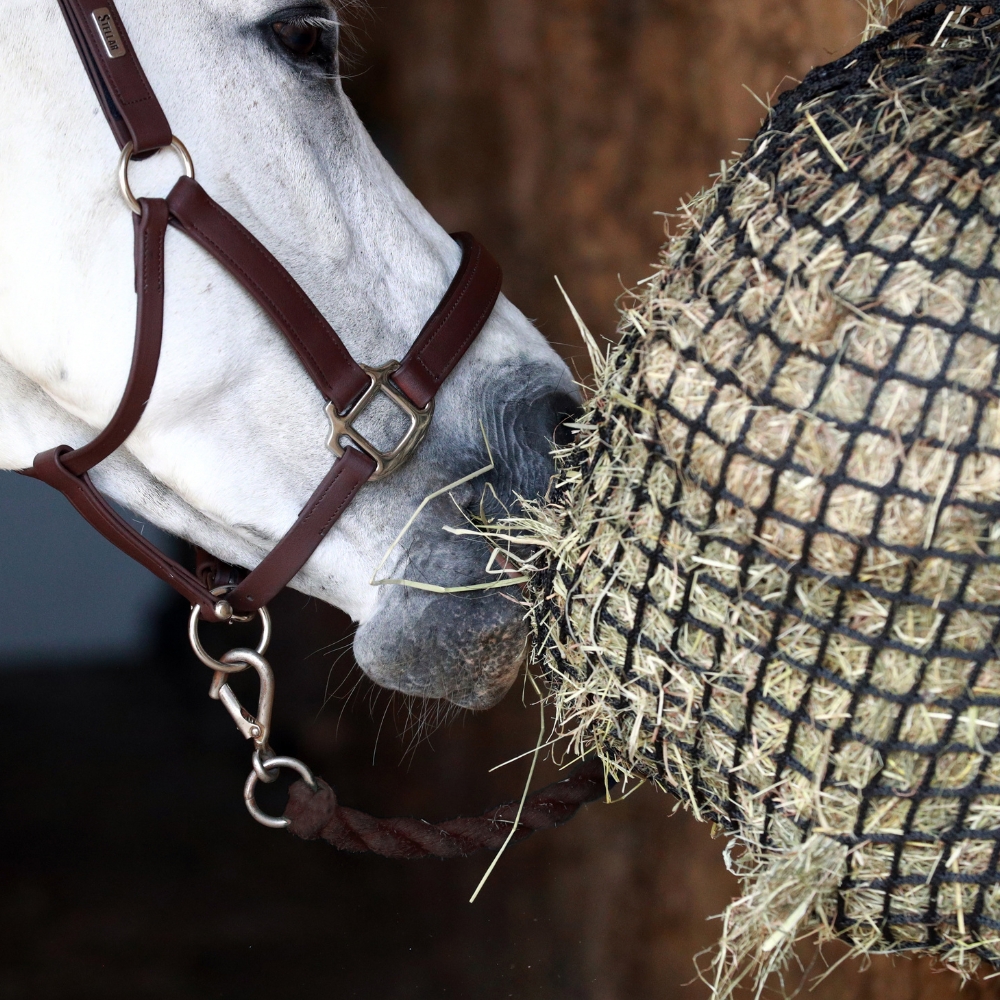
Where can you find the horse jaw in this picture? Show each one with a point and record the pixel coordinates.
(233, 441)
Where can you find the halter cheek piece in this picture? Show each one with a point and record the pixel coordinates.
(141, 129)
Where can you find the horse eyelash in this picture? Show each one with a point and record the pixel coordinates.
(323, 23)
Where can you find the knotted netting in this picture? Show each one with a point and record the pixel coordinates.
(768, 575)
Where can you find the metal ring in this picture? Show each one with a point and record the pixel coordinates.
(126, 158)
(261, 770)
(210, 661)
(274, 822)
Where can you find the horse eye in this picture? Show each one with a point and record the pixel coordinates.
(300, 39)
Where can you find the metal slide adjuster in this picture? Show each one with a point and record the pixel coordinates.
(126, 158)
(343, 426)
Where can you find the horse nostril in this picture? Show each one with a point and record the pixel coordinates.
(541, 422)
(568, 411)
(530, 429)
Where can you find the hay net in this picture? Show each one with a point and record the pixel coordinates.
(768, 577)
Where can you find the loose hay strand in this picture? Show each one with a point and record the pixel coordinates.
(434, 588)
(524, 794)
(594, 351)
(827, 145)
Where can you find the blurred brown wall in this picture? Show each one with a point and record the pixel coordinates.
(555, 129)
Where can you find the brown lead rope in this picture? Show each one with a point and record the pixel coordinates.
(313, 811)
(315, 815)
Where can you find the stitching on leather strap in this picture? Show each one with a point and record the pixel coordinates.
(314, 507)
(467, 284)
(145, 262)
(461, 348)
(336, 514)
(318, 502)
(286, 278)
(456, 302)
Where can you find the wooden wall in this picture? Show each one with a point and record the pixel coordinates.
(557, 129)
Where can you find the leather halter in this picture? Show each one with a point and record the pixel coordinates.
(142, 129)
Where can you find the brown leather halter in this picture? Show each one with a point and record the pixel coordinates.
(141, 128)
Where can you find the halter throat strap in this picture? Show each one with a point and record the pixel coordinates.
(141, 128)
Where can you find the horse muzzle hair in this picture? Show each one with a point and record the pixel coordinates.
(467, 646)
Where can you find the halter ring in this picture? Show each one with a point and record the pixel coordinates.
(274, 822)
(126, 158)
(199, 650)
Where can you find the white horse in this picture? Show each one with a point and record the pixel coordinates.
(233, 441)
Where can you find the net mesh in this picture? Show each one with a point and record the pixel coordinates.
(769, 575)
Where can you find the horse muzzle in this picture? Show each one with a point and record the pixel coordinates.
(466, 649)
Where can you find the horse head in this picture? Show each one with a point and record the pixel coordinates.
(234, 438)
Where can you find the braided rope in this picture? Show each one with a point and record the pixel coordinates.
(318, 815)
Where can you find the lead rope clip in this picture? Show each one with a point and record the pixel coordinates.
(266, 764)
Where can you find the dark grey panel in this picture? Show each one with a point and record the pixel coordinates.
(66, 593)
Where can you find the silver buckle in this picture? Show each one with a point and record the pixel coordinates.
(343, 426)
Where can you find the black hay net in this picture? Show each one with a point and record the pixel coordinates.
(825, 562)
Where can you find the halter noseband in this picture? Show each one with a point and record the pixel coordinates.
(141, 129)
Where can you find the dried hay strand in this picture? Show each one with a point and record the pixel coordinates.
(768, 574)
(880, 14)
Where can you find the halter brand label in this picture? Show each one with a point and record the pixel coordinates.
(108, 30)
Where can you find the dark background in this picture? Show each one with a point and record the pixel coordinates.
(554, 129)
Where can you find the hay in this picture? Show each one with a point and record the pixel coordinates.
(768, 575)
(880, 14)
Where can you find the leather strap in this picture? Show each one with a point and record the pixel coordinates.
(66, 469)
(150, 231)
(323, 354)
(93, 507)
(126, 98)
(135, 115)
(454, 325)
(214, 574)
(349, 473)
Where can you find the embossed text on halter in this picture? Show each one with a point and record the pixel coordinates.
(113, 44)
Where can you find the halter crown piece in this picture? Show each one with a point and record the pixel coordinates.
(218, 593)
